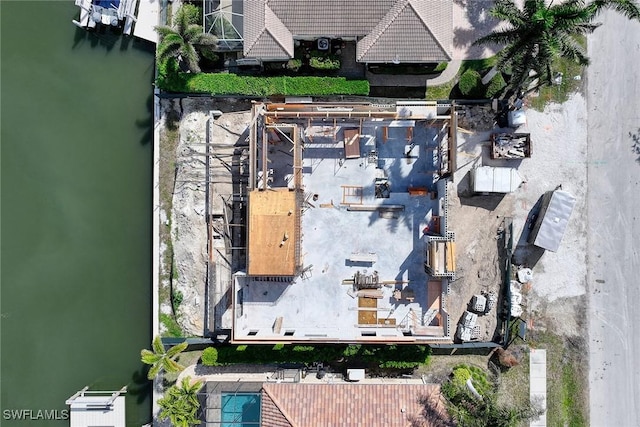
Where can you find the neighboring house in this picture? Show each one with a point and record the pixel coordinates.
(351, 405)
(286, 404)
(386, 31)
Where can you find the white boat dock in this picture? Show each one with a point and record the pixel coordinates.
(121, 13)
(85, 11)
(148, 18)
(129, 16)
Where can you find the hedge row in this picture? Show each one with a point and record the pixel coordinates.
(232, 84)
(385, 356)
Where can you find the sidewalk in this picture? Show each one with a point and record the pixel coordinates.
(405, 80)
(538, 384)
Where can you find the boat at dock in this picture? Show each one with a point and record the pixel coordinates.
(112, 13)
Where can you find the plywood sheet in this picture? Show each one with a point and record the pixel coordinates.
(434, 291)
(351, 144)
(272, 233)
(366, 317)
(367, 302)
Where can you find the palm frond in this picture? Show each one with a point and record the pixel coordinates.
(501, 37)
(149, 357)
(191, 58)
(154, 370)
(570, 50)
(177, 349)
(204, 39)
(192, 31)
(163, 31)
(157, 345)
(169, 47)
(627, 8)
(506, 10)
(171, 365)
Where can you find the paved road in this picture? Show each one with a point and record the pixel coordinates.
(614, 223)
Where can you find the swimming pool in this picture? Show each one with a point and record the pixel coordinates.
(240, 409)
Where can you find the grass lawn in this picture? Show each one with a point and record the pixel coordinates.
(444, 91)
(559, 93)
(567, 384)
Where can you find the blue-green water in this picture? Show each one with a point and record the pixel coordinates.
(240, 409)
(76, 206)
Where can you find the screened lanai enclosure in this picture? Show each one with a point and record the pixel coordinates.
(223, 19)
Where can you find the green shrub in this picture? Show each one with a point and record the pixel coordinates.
(294, 64)
(470, 84)
(398, 364)
(210, 356)
(495, 86)
(193, 13)
(441, 67)
(321, 61)
(351, 350)
(231, 84)
(384, 356)
(171, 326)
(177, 298)
(456, 388)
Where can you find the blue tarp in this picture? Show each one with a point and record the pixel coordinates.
(107, 4)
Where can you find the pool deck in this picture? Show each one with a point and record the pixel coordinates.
(266, 373)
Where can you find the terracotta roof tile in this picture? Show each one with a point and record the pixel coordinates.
(271, 415)
(348, 405)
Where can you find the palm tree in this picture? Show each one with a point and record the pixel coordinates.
(180, 403)
(160, 359)
(183, 40)
(539, 33)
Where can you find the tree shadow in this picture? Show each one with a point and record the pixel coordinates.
(635, 146)
(481, 23)
(147, 122)
(526, 254)
(140, 387)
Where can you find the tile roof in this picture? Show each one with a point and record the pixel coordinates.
(271, 415)
(403, 30)
(338, 18)
(412, 31)
(350, 405)
(265, 36)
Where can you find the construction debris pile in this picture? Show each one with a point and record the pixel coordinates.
(476, 117)
(510, 146)
(525, 276)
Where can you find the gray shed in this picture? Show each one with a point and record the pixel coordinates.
(552, 221)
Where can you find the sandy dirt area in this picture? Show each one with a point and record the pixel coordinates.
(188, 217)
(554, 298)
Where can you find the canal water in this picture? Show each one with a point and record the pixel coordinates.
(76, 167)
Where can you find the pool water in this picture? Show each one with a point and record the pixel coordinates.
(240, 409)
